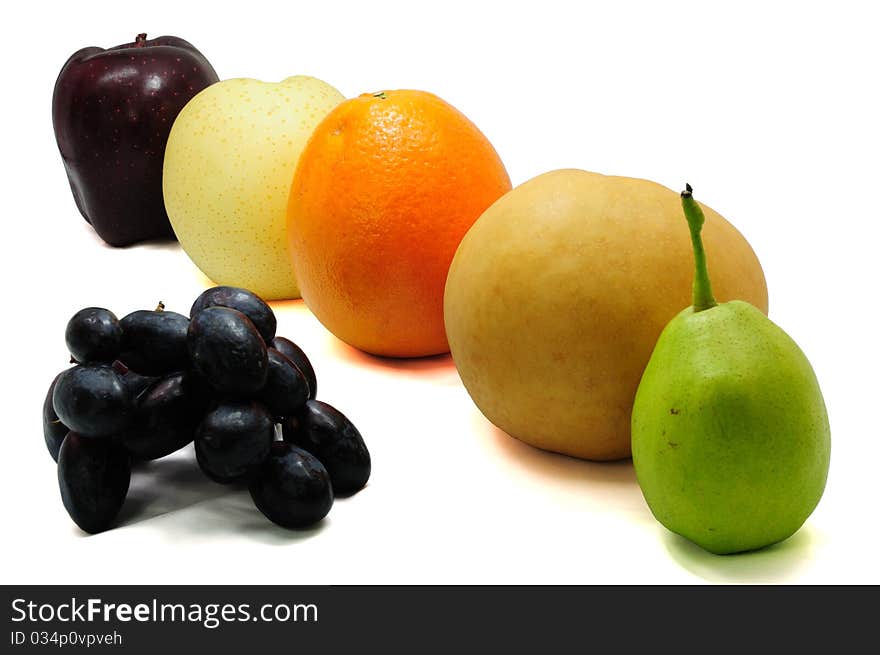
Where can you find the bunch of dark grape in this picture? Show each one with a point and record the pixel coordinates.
(146, 386)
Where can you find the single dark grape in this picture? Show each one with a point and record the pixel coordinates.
(248, 303)
(233, 439)
(325, 432)
(286, 389)
(54, 430)
(93, 475)
(154, 342)
(292, 488)
(166, 417)
(91, 399)
(93, 335)
(226, 349)
(295, 354)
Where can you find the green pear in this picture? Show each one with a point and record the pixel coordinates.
(730, 436)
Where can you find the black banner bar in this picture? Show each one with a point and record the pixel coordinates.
(253, 620)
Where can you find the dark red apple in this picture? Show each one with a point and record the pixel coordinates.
(112, 111)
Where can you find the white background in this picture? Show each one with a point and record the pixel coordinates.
(769, 109)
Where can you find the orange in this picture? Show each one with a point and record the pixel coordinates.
(385, 190)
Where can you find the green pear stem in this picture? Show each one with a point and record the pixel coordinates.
(703, 298)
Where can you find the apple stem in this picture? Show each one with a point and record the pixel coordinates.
(140, 39)
(703, 298)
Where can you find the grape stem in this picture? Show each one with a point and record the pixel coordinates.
(703, 298)
(160, 307)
